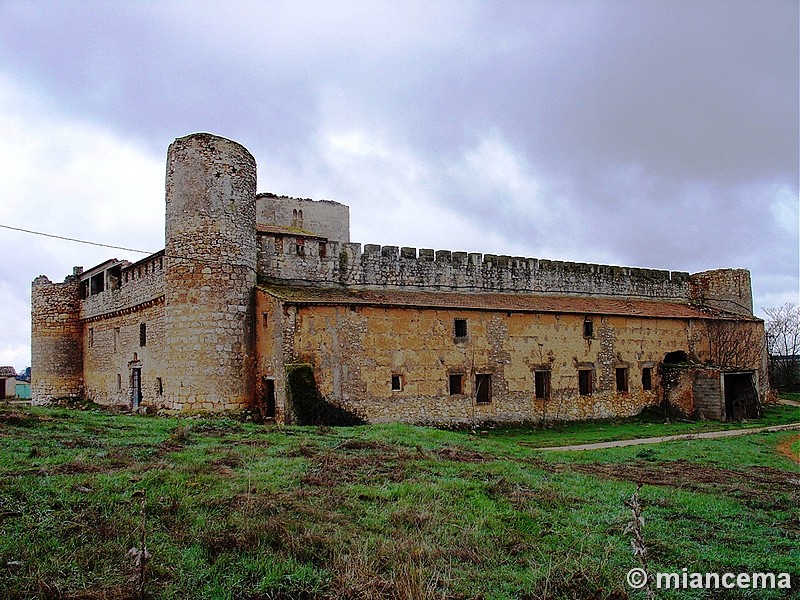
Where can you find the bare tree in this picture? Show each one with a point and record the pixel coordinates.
(783, 344)
(734, 344)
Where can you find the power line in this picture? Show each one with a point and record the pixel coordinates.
(69, 239)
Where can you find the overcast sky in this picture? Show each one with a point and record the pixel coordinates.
(659, 134)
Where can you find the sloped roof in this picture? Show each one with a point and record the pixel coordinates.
(289, 231)
(520, 302)
(8, 372)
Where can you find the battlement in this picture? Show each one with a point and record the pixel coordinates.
(297, 260)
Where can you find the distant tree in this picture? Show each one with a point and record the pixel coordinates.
(783, 344)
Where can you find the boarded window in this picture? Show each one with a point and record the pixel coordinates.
(143, 334)
(460, 328)
(588, 328)
(647, 378)
(585, 382)
(542, 384)
(456, 384)
(397, 383)
(622, 379)
(483, 388)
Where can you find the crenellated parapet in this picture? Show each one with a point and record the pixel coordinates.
(56, 339)
(316, 261)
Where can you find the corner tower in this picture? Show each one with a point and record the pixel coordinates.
(209, 273)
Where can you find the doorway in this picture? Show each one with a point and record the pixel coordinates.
(2, 388)
(136, 388)
(741, 398)
(269, 398)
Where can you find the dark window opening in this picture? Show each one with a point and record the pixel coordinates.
(483, 388)
(159, 386)
(397, 383)
(622, 379)
(269, 399)
(585, 382)
(300, 245)
(91, 337)
(647, 378)
(143, 334)
(119, 382)
(97, 283)
(676, 358)
(542, 384)
(588, 328)
(460, 328)
(323, 250)
(456, 384)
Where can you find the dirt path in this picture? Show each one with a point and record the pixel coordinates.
(672, 438)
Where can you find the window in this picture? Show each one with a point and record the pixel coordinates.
(588, 328)
(460, 328)
(265, 317)
(397, 383)
(647, 378)
(456, 384)
(622, 379)
(300, 245)
(542, 384)
(143, 334)
(483, 388)
(91, 337)
(119, 382)
(159, 387)
(116, 339)
(323, 250)
(585, 382)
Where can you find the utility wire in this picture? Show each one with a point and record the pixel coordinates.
(69, 239)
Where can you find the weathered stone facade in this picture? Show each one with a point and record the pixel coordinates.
(249, 285)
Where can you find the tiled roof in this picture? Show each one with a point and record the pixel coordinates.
(8, 372)
(282, 230)
(596, 305)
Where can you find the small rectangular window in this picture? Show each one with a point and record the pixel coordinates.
(116, 339)
(542, 384)
(119, 382)
(301, 246)
(585, 382)
(143, 334)
(483, 388)
(647, 378)
(397, 383)
(456, 384)
(91, 337)
(460, 328)
(588, 328)
(622, 379)
(159, 387)
(323, 250)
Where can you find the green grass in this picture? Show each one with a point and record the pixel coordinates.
(237, 510)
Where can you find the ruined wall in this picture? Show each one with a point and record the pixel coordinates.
(726, 289)
(113, 347)
(209, 273)
(323, 217)
(356, 350)
(141, 282)
(56, 339)
(445, 270)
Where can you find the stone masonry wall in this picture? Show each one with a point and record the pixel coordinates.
(113, 347)
(726, 289)
(325, 218)
(209, 274)
(56, 339)
(445, 270)
(141, 282)
(356, 350)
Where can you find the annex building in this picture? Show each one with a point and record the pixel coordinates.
(253, 287)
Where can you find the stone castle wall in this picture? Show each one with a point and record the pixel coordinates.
(209, 273)
(56, 339)
(338, 263)
(725, 289)
(325, 218)
(142, 282)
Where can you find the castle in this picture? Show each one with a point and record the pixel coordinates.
(250, 286)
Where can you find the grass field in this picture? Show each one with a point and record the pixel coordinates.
(238, 510)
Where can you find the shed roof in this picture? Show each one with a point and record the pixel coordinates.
(503, 302)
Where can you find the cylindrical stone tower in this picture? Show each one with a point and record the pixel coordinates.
(56, 339)
(209, 273)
